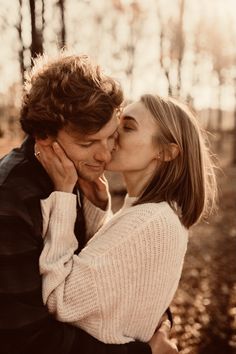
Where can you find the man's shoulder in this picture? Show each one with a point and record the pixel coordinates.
(21, 174)
(13, 180)
(11, 163)
(16, 180)
(22, 184)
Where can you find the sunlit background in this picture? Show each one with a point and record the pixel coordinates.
(185, 48)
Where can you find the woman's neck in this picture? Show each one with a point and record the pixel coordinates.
(136, 182)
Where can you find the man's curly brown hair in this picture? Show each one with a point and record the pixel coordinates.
(68, 91)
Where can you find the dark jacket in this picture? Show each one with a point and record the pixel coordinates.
(26, 327)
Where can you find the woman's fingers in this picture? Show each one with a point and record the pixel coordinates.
(45, 154)
(48, 159)
(53, 154)
(60, 169)
(67, 164)
(59, 152)
(165, 328)
(101, 183)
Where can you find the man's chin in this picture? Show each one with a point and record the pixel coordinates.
(91, 177)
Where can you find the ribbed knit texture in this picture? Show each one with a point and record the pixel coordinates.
(121, 283)
(95, 217)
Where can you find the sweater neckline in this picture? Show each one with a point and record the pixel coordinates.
(128, 201)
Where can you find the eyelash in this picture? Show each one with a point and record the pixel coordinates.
(127, 128)
(90, 144)
(86, 145)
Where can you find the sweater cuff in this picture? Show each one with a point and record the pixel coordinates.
(94, 216)
(93, 211)
(139, 348)
(62, 203)
(61, 208)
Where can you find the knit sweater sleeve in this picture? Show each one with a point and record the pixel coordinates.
(118, 287)
(95, 217)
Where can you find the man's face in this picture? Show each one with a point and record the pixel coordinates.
(89, 152)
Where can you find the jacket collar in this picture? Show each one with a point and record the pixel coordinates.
(43, 185)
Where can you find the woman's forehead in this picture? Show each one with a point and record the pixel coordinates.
(134, 108)
(139, 112)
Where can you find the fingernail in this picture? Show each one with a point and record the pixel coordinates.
(55, 144)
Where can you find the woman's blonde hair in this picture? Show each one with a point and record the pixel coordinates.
(188, 180)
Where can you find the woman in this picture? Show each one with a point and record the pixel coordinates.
(122, 282)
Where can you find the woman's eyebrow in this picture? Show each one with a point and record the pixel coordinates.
(129, 118)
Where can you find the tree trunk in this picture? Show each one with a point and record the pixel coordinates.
(21, 49)
(61, 4)
(36, 33)
(234, 130)
(181, 47)
(164, 67)
(43, 18)
(131, 58)
(219, 113)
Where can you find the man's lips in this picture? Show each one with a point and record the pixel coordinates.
(95, 167)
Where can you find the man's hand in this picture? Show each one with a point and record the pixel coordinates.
(96, 191)
(160, 342)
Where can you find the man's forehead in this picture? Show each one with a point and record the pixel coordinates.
(108, 129)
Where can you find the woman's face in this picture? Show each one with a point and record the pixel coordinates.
(136, 150)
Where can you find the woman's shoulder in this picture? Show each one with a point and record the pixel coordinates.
(147, 211)
(125, 225)
(140, 226)
(153, 221)
(137, 216)
(154, 224)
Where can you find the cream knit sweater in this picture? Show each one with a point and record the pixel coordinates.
(122, 282)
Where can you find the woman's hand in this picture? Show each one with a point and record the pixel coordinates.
(160, 342)
(96, 191)
(58, 166)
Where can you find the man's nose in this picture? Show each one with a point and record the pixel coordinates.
(103, 153)
(113, 142)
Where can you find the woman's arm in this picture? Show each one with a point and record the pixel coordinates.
(95, 194)
(120, 284)
(95, 217)
(60, 269)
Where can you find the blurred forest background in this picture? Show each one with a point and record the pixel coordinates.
(184, 48)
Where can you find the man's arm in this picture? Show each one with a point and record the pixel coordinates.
(158, 344)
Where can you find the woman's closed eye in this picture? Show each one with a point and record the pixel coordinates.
(127, 127)
(128, 124)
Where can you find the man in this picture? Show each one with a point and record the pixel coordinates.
(70, 99)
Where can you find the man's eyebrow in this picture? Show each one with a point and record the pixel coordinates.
(81, 139)
(87, 138)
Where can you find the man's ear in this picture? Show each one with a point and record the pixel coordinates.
(171, 151)
(45, 142)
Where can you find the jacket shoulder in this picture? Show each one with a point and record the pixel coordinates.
(18, 188)
(9, 163)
